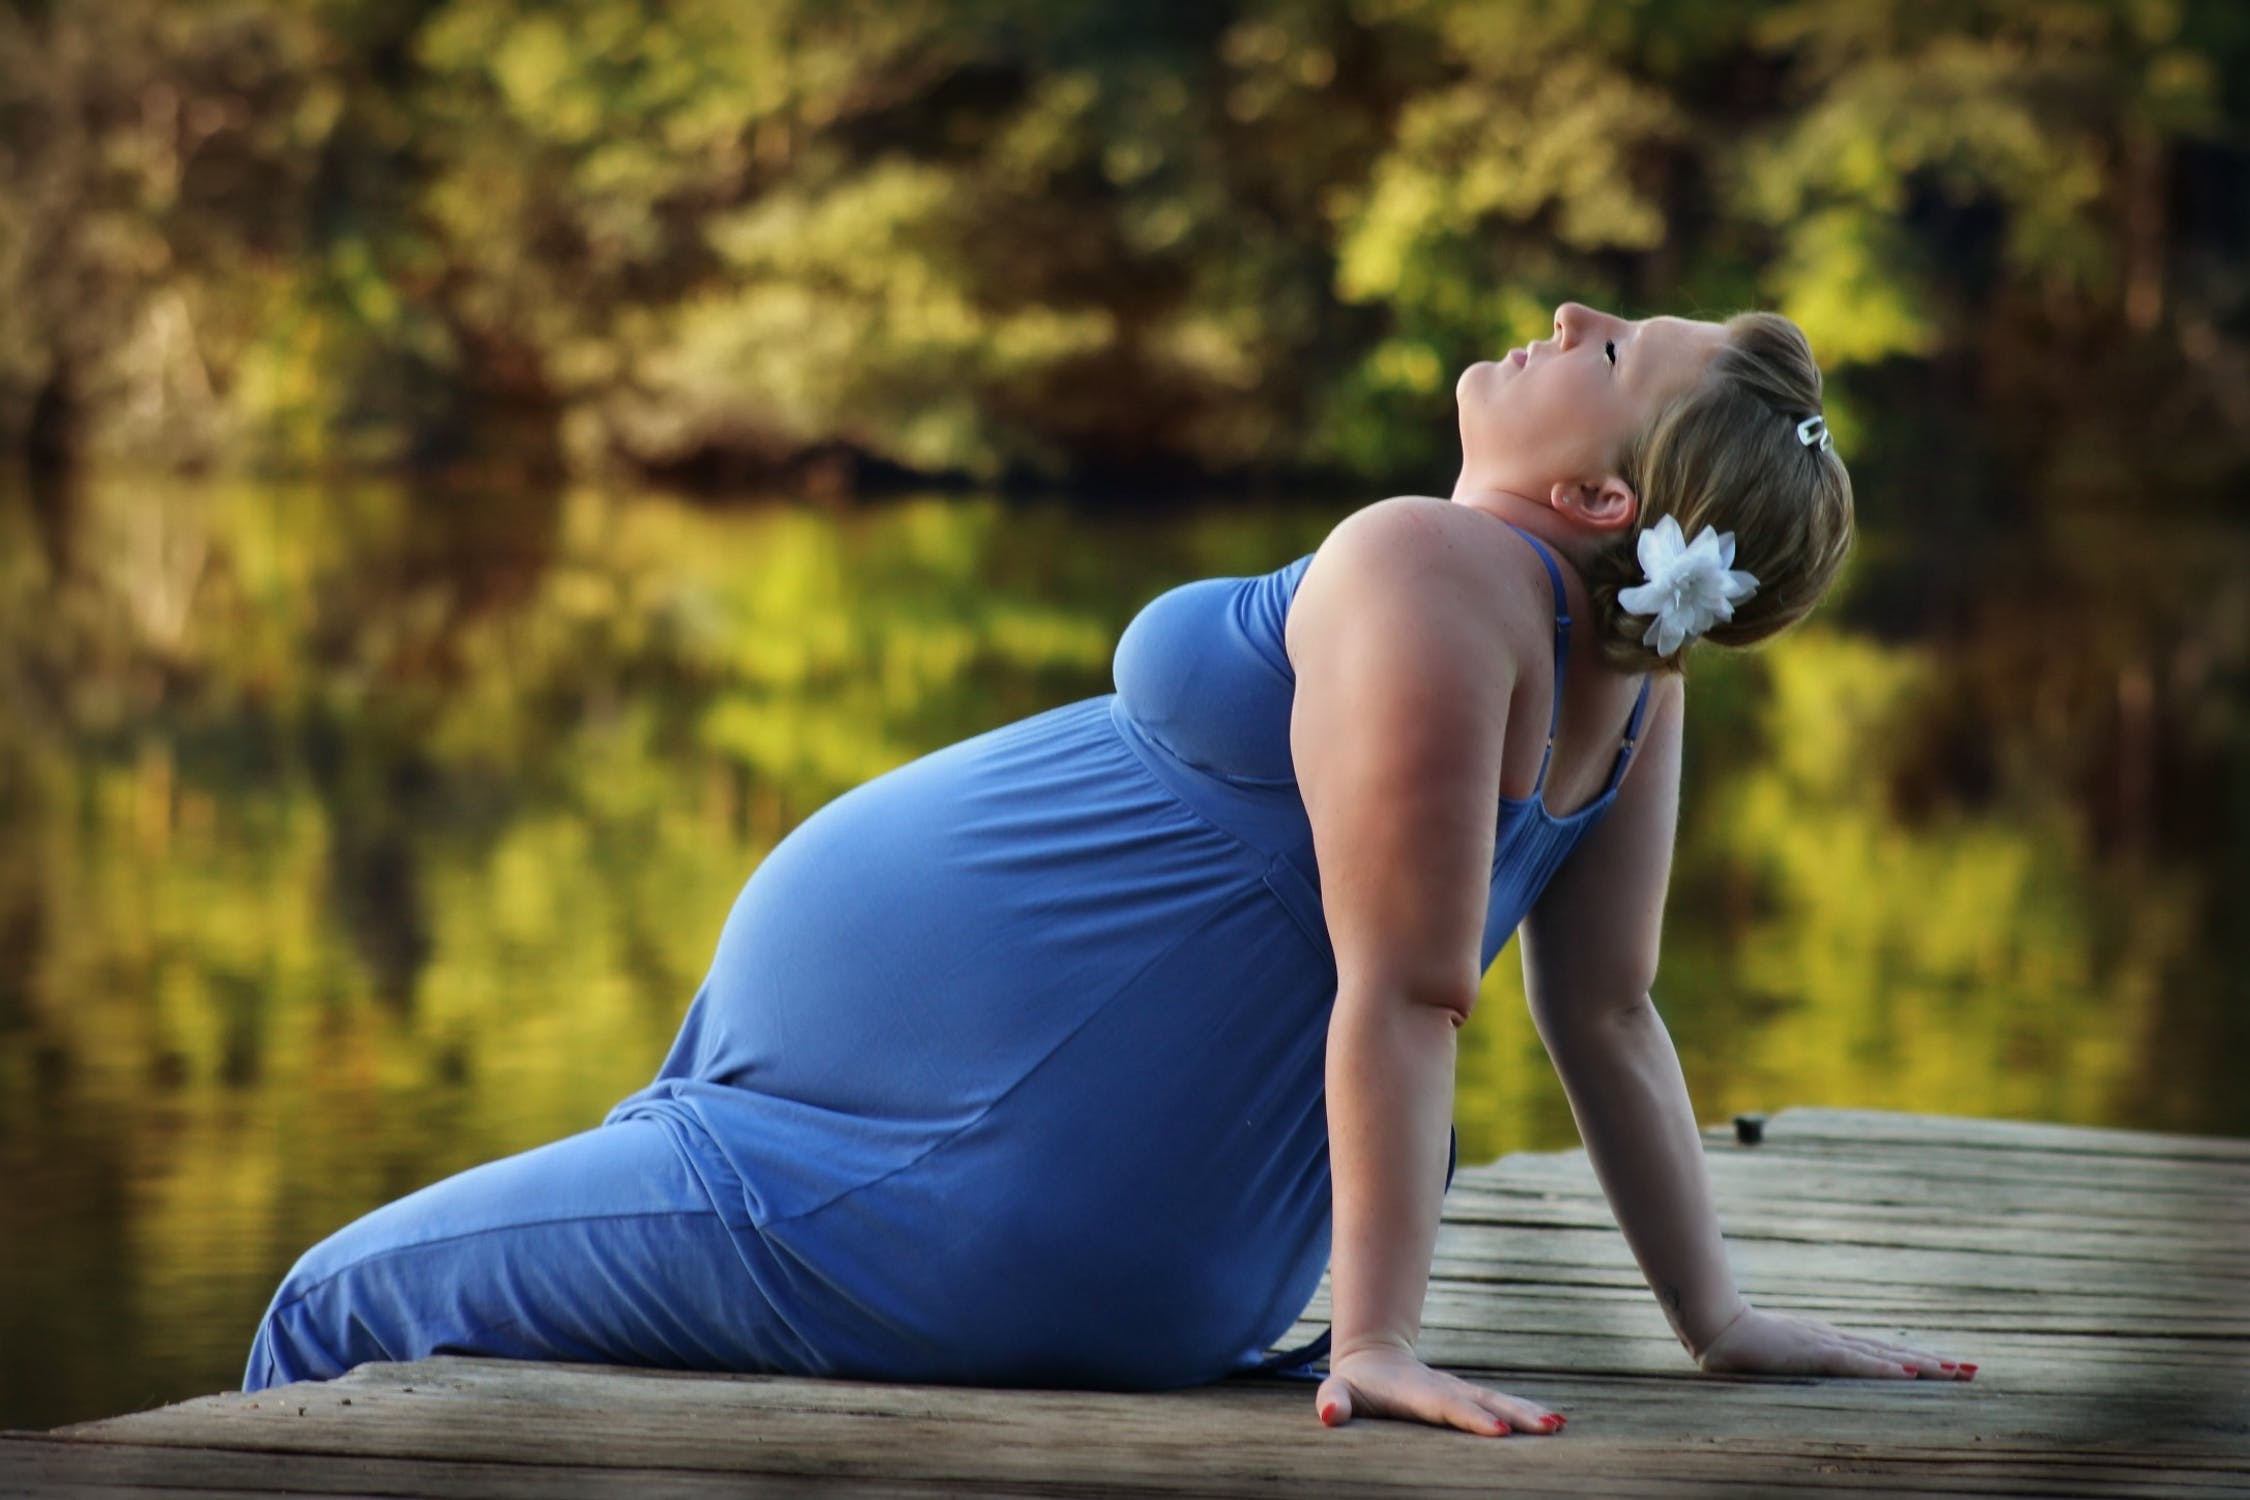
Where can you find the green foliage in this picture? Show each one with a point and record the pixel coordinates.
(1007, 238)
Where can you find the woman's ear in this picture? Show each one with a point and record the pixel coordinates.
(1606, 505)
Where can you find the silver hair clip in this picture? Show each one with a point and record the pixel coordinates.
(1813, 432)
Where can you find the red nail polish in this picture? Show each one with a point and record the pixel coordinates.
(1328, 1414)
(1968, 1369)
(1909, 1369)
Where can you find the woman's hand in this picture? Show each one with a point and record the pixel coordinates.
(1387, 1381)
(1767, 1343)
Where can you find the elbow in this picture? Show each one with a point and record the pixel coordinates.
(1455, 1004)
(1453, 994)
(1583, 1021)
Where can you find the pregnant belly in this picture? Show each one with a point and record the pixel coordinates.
(919, 943)
(1146, 1204)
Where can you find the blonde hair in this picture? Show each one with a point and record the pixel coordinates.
(1726, 454)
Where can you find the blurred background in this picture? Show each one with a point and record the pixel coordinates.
(478, 472)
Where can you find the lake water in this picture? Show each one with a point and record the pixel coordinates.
(351, 835)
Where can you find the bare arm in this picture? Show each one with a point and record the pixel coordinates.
(1399, 636)
(1590, 952)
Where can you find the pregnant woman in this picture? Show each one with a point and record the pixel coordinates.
(1071, 1054)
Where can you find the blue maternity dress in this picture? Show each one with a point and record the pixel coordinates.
(1008, 1070)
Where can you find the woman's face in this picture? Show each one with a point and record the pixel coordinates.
(1552, 419)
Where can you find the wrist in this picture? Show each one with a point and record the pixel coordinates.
(1371, 1343)
(1698, 1347)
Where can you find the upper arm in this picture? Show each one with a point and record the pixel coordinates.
(1591, 942)
(1404, 672)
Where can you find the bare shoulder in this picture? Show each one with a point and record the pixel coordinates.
(1468, 563)
(1396, 730)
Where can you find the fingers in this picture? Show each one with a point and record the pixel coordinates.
(1444, 1401)
(1525, 1417)
(1334, 1401)
(1790, 1344)
(1477, 1416)
(1925, 1365)
(1450, 1402)
(1338, 1401)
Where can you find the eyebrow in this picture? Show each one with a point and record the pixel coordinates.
(1639, 327)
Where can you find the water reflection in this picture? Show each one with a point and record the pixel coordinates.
(350, 835)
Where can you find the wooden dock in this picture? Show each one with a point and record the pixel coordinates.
(2100, 1279)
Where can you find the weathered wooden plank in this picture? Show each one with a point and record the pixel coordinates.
(1971, 1182)
(1884, 1225)
(1961, 1213)
(1965, 1276)
(2107, 1299)
(1935, 1162)
(1483, 1254)
(1878, 1128)
(1955, 1333)
(1240, 1436)
(2019, 1365)
(2038, 1363)
(2098, 1278)
(38, 1468)
(1520, 1310)
(1787, 1178)
(34, 1467)
(1786, 1182)
(1956, 1154)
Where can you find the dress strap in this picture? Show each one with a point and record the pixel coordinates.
(1632, 738)
(1562, 649)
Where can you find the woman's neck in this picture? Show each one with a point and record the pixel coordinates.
(1572, 542)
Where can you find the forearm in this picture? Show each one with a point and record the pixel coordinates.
(1631, 1102)
(1390, 1105)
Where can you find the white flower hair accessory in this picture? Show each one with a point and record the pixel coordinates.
(1690, 586)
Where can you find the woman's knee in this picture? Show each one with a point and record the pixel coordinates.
(326, 1317)
(576, 1250)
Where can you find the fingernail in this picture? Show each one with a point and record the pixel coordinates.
(1551, 1422)
(1330, 1413)
(1947, 1364)
(1909, 1369)
(1968, 1369)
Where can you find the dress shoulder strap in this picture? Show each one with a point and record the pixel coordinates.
(1562, 650)
(1632, 737)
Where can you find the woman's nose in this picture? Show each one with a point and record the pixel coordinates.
(1575, 321)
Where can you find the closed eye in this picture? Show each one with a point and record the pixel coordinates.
(1609, 350)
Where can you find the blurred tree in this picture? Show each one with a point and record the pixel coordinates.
(1098, 243)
